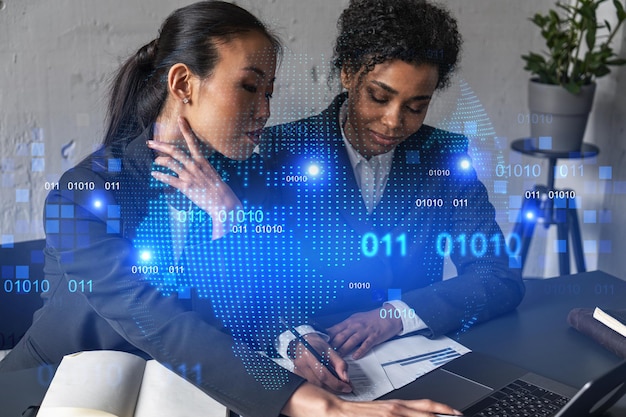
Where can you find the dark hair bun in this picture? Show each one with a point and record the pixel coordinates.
(146, 55)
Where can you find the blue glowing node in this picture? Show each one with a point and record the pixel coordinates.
(145, 256)
(530, 215)
(97, 204)
(465, 164)
(313, 170)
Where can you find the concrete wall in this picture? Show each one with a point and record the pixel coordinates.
(57, 57)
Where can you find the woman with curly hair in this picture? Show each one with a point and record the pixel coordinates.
(394, 196)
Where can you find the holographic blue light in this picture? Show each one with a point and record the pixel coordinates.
(145, 255)
(313, 170)
(465, 164)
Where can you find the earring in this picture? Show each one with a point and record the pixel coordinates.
(185, 100)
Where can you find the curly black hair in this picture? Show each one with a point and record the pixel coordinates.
(415, 31)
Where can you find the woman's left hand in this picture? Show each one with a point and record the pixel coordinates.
(197, 179)
(363, 330)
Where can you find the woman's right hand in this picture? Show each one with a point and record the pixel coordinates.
(309, 367)
(196, 178)
(311, 401)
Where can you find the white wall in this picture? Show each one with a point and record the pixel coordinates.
(56, 58)
(609, 130)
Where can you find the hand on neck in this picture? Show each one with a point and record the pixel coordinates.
(167, 130)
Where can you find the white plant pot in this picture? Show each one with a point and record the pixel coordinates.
(560, 115)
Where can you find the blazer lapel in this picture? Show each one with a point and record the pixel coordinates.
(402, 189)
(348, 200)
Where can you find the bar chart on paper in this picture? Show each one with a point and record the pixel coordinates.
(396, 363)
(405, 360)
(437, 358)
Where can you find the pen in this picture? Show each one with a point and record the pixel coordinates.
(311, 349)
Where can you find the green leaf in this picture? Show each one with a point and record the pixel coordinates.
(567, 29)
(577, 69)
(593, 60)
(590, 37)
(534, 58)
(572, 87)
(618, 61)
(554, 17)
(588, 13)
(539, 20)
(602, 71)
(621, 13)
(569, 9)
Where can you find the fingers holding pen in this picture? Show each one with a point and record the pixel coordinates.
(309, 366)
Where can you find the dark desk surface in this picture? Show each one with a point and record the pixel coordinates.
(536, 336)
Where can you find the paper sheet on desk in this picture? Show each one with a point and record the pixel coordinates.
(396, 363)
(368, 379)
(404, 360)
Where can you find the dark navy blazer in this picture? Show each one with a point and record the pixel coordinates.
(431, 207)
(105, 295)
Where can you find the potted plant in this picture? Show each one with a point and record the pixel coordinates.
(560, 93)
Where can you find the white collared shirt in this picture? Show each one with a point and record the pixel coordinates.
(371, 174)
(371, 177)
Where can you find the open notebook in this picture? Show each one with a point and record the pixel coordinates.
(118, 384)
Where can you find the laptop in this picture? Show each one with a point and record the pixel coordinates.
(480, 385)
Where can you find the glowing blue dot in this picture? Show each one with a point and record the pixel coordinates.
(97, 204)
(313, 169)
(465, 164)
(530, 215)
(145, 255)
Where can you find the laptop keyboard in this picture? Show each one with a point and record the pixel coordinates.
(518, 399)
